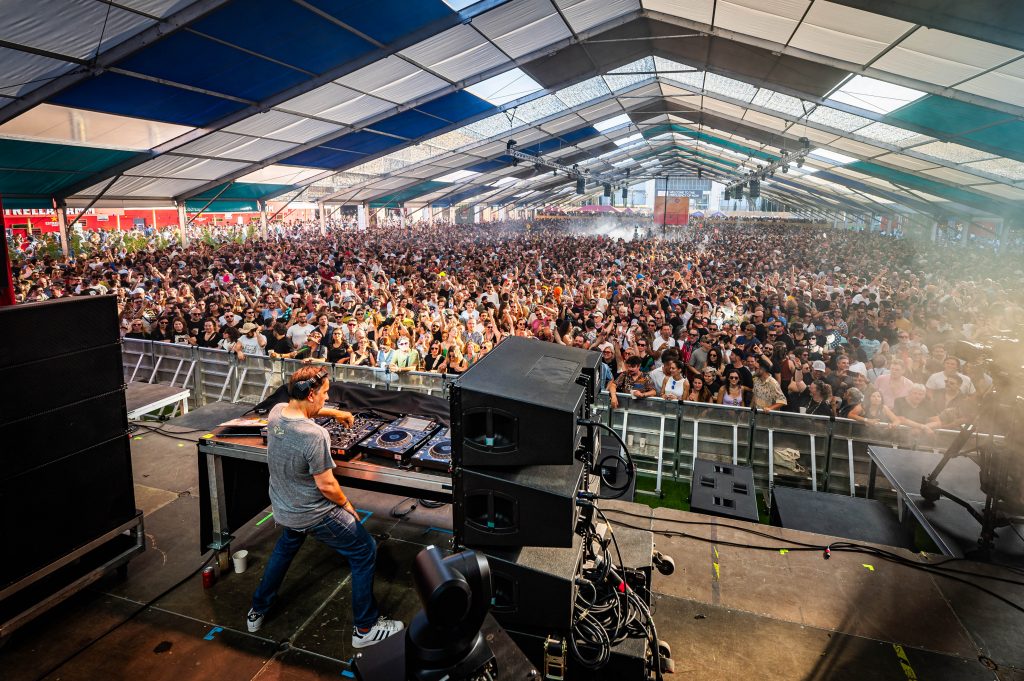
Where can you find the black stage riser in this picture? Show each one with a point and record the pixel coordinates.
(531, 506)
(723, 490)
(519, 406)
(54, 509)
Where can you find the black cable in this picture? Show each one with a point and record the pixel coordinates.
(804, 546)
(845, 547)
(627, 460)
(426, 503)
(164, 433)
(401, 515)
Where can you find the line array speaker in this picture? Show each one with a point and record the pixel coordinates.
(520, 404)
(528, 506)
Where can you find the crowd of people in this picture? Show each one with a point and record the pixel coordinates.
(778, 314)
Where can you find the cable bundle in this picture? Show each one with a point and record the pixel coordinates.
(607, 610)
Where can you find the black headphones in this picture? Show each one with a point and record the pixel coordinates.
(300, 390)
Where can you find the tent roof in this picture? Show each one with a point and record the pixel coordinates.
(908, 103)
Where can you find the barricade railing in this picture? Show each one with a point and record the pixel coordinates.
(664, 437)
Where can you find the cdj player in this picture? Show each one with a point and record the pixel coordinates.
(344, 439)
(437, 453)
(400, 438)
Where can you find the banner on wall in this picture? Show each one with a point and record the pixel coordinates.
(677, 212)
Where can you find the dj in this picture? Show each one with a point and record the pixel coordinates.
(307, 500)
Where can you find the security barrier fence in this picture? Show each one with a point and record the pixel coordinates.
(664, 437)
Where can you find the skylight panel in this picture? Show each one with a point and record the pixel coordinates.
(505, 180)
(505, 87)
(612, 122)
(580, 93)
(630, 74)
(840, 120)
(891, 134)
(956, 153)
(623, 141)
(729, 87)
(833, 156)
(776, 101)
(1003, 167)
(539, 108)
(459, 5)
(458, 176)
(875, 95)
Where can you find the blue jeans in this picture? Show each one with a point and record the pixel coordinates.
(343, 533)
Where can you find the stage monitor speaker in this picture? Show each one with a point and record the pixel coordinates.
(520, 405)
(54, 509)
(534, 587)
(528, 506)
(723, 490)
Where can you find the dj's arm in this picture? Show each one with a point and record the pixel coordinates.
(345, 418)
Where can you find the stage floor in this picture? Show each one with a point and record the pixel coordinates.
(728, 612)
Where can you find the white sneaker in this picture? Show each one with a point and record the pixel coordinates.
(377, 633)
(253, 620)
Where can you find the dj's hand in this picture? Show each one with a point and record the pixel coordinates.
(345, 418)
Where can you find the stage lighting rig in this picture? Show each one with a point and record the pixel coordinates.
(785, 159)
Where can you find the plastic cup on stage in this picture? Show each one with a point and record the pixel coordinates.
(240, 560)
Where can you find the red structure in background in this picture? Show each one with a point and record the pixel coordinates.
(21, 221)
(6, 278)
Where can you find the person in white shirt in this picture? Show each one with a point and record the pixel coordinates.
(662, 341)
(250, 342)
(300, 330)
(950, 367)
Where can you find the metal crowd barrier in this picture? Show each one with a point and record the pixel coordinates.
(664, 437)
(219, 376)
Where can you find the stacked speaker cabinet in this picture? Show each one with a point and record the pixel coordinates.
(65, 465)
(517, 451)
(515, 439)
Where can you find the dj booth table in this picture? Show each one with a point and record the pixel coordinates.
(234, 479)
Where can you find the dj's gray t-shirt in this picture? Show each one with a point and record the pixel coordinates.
(297, 449)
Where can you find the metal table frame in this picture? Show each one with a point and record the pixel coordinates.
(359, 473)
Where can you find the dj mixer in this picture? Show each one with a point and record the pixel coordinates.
(400, 438)
(437, 453)
(344, 439)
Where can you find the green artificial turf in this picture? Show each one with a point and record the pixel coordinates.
(676, 494)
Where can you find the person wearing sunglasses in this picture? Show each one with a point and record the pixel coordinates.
(406, 358)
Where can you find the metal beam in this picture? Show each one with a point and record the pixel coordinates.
(454, 87)
(144, 38)
(852, 67)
